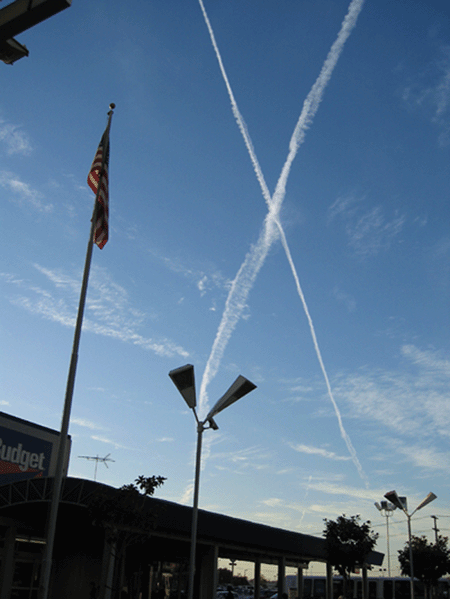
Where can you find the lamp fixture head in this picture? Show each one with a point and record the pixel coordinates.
(184, 380)
(428, 499)
(238, 389)
(395, 500)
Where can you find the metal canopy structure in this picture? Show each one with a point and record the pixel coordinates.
(19, 16)
(233, 536)
(83, 546)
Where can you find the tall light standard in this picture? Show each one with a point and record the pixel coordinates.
(386, 508)
(232, 564)
(184, 381)
(401, 504)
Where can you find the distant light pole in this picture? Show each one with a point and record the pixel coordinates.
(401, 503)
(386, 508)
(184, 381)
(232, 564)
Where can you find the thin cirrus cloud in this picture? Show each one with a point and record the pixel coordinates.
(429, 93)
(109, 442)
(205, 277)
(108, 309)
(369, 231)
(272, 502)
(22, 193)
(346, 491)
(86, 424)
(381, 395)
(308, 449)
(346, 299)
(14, 139)
(426, 457)
(253, 458)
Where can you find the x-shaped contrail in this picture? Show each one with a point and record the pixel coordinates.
(272, 229)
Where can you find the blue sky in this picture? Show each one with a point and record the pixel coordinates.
(324, 277)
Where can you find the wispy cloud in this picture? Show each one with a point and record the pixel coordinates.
(308, 449)
(109, 442)
(23, 193)
(206, 277)
(15, 140)
(108, 308)
(429, 92)
(187, 495)
(427, 457)
(242, 460)
(86, 424)
(422, 385)
(369, 231)
(345, 298)
(272, 502)
(346, 491)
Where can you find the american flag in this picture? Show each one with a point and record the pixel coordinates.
(101, 226)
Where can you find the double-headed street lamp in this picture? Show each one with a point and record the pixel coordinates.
(386, 508)
(184, 381)
(401, 504)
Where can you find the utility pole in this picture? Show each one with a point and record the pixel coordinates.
(436, 529)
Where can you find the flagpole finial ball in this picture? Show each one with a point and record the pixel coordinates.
(112, 105)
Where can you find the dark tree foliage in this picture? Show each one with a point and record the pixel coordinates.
(145, 485)
(123, 509)
(240, 580)
(348, 543)
(430, 560)
(224, 576)
(127, 519)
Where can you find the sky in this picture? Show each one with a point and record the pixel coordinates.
(279, 208)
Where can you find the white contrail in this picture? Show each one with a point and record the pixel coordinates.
(304, 500)
(255, 258)
(239, 119)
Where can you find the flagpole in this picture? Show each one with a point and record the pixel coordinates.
(57, 482)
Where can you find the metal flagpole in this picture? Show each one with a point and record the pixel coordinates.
(57, 482)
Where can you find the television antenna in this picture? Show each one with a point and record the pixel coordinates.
(97, 459)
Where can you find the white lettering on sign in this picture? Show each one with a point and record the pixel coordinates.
(18, 455)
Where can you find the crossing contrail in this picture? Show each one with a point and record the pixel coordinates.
(272, 228)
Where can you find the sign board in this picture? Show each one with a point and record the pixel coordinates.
(27, 450)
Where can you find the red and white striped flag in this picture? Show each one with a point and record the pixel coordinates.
(101, 158)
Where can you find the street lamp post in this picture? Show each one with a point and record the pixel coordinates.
(232, 564)
(184, 381)
(401, 504)
(386, 508)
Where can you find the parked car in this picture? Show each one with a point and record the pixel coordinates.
(224, 595)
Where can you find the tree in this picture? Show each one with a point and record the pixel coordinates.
(430, 560)
(125, 517)
(240, 581)
(224, 576)
(123, 508)
(348, 543)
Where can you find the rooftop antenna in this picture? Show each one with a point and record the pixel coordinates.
(98, 459)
